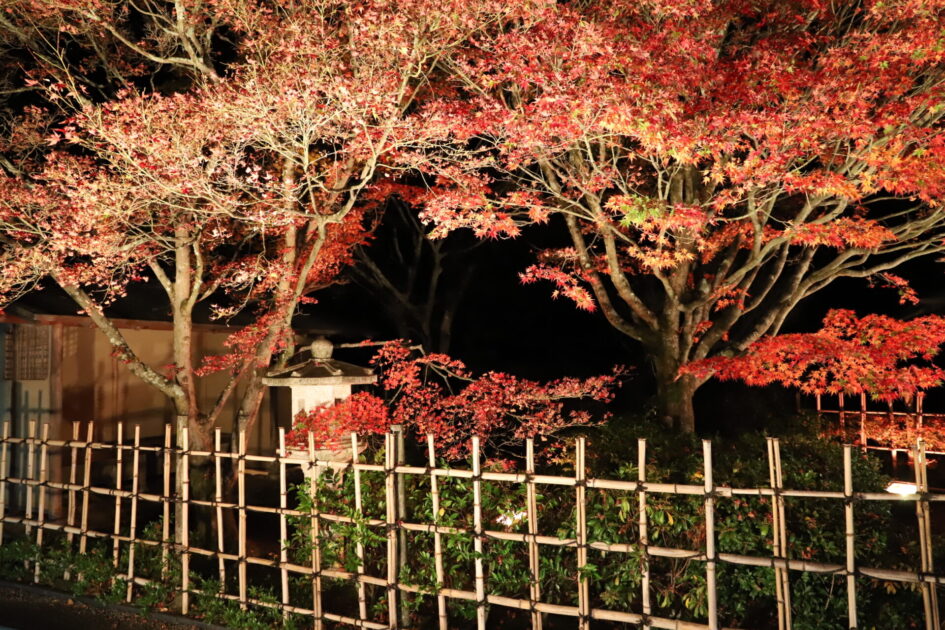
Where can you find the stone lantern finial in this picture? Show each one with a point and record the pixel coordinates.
(322, 348)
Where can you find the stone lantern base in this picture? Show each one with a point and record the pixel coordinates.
(321, 455)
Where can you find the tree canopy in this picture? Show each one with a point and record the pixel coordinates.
(712, 162)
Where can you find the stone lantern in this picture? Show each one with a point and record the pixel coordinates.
(320, 380)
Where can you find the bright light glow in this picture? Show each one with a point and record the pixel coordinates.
(510, 519)
(902, 488)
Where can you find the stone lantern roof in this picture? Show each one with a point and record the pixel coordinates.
(320, 369)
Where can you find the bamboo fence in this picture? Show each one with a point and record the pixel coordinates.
(81, 452)
(886, 429)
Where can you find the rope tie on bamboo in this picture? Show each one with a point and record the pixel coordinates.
(533, 604)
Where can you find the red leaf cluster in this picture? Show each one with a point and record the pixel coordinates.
(436, 394)
(877, 355)
(362, 413)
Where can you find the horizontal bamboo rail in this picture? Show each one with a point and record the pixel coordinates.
(394, 523)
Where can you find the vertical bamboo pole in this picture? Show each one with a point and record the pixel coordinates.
(166, 500)
(711, 591)
(4, 445)
(390, 499)
(185, 521)
(73, 471)
(919, 416)
(118, 472)
(218, 498)
(782, 583)
(817, 401)
(86, 486)
(580, 500)
(315, 537)
(241, 507)
(133, 518)
(929, 591)
(850, 536)
(398, 431)
(531, 513)
(283, 526)
(644, 535)
(437, 541)
(477, 541)
(41, 511)
(359, 545)
(30, 465)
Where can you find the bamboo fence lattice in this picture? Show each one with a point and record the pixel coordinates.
(81, 452)
(890, 429)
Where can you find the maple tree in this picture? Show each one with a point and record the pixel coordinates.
(238, 180)
(713, 163)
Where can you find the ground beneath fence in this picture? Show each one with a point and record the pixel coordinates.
(30, 608)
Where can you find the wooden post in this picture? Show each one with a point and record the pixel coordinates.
(477, 541)
(782, 583)
(283, 525)
(166, 501)
(241, 508)
(133, 518)
(73, 471)
(850, 535)
(929, 591)
(4, 446)
(437, 541)
(580, 499)
(390, 501)
(41, 512)
(863, 414)
(531, 513)
(185, 521)
(86, 486)
(118, 472)
(218, 498)
(644, 535)
(316, 537)
(842, 415)
(711, 592)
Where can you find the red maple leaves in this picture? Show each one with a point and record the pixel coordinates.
(362, 413)
(877, 355)
(436, 394)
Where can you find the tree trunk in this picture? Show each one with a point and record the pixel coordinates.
(674, 400)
